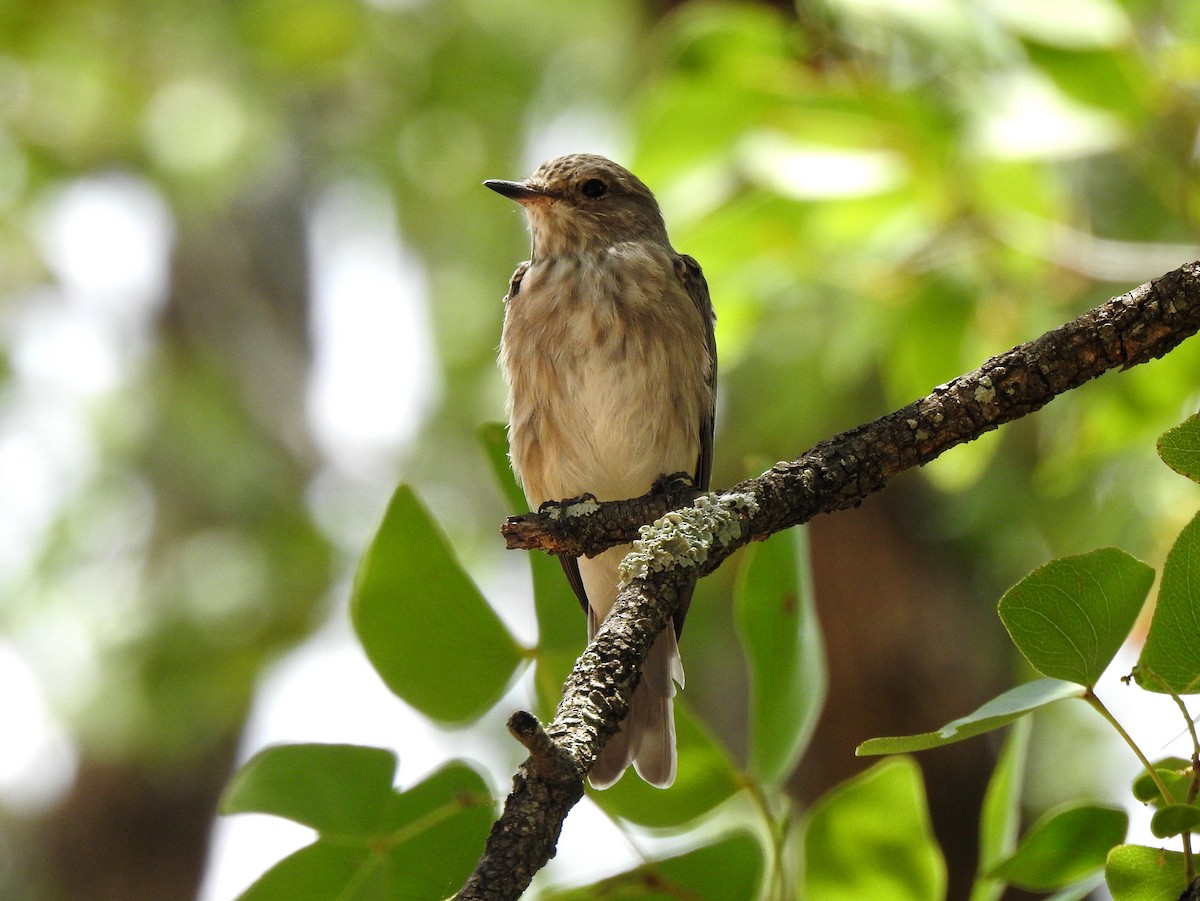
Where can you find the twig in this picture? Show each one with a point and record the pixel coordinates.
(1136, 327)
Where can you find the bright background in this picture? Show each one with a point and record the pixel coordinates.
(249, 280)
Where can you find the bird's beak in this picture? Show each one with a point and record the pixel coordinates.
(518, 191)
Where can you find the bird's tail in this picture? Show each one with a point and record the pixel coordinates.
(647, 735)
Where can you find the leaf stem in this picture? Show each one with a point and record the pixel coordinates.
(779, 830)
(1098, 706)
(1194, 787)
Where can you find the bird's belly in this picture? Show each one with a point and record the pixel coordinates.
(630, 431)
(606, 427)
(607, 368)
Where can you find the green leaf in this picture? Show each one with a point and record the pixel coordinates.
(705, 777)
(1096, 78)
(1170, 659)
(1079, 890)
(436, 832)
(1001, 815)
(562, 631)
(1174, 819)
(423, 846)
(562, 627)
(776, 620)
(870, 837)
(729, 870)
(1000, 711)
(424, 625)
(493, 438)
(1180, 448)
(1174, 772)
(1070, 616)
(1138, 873)
(553, 667)
(317, 872)
(1064, 847)
(335, 789)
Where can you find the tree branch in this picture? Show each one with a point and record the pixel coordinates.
(688, 541)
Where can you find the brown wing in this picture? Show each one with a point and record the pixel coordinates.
(514, 283)
(570, 566)
(692, 279)
(693, 282)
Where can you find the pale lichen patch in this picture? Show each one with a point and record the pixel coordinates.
(585, 506)
(582, 507)
(985, 393)
(684, 537)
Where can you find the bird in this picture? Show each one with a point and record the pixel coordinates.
(608, 349)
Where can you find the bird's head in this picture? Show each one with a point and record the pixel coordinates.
(583, 201)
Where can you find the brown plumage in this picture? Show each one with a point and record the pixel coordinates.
(609, 354)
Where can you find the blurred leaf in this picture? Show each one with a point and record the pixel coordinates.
(493, 438)
(1000, 711)
(335, 789)
(1064, 847)
(1099, 78)
(1174, 819)
(776, 620)
(1067, 23)
(317, 872)
(931, 338)
(927, 337)
(301, 37)
(870, 837)
(551, 671)
(1138, 873)
(1079, 890)
(1000, 818)
(1180, 448)
(427, 630)
(718, 56)
(1070, 616)
(562, 627)
(729, 870)
(705, 777)
(424, 846)
(562, 631)
(435, 831)
(1174, 772)
(1170, 658)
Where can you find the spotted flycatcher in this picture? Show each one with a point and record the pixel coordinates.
(609, 354)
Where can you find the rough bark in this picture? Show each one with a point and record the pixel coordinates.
(690, 539)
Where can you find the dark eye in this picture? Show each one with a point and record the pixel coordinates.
(593, 188)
